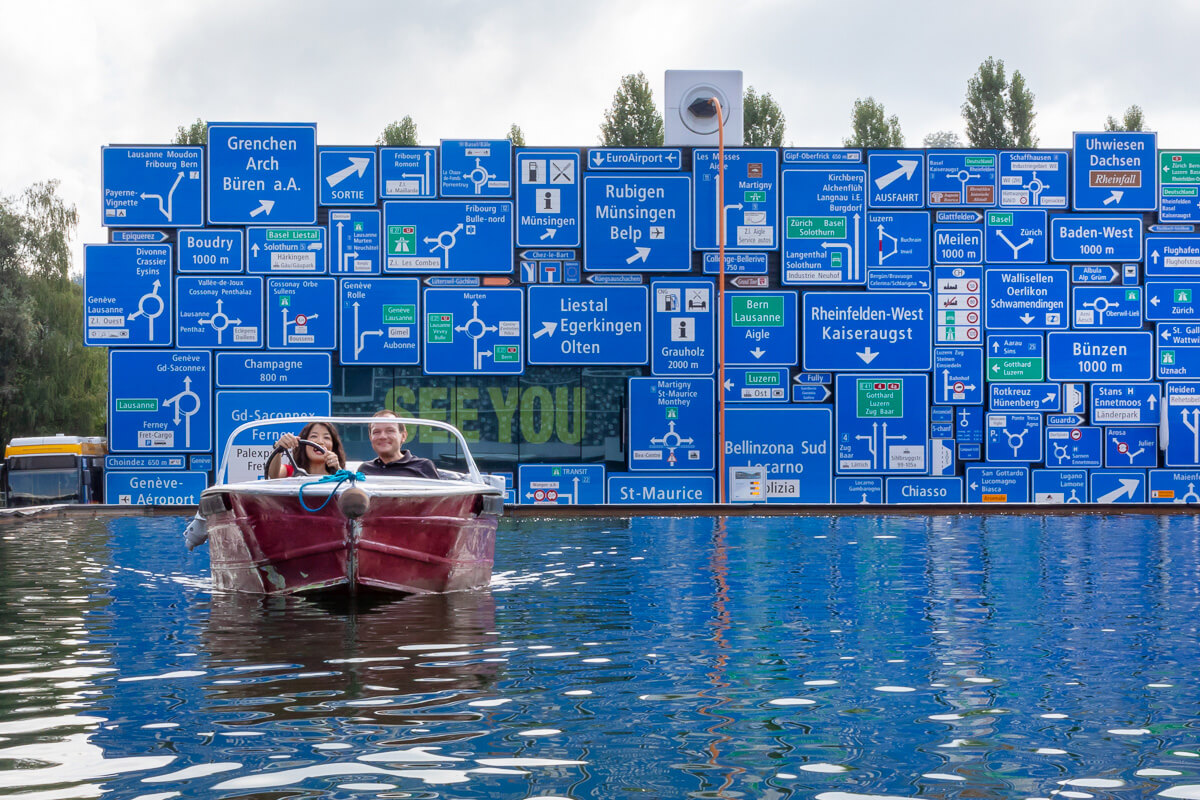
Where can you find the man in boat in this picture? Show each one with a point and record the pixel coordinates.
(387, 439)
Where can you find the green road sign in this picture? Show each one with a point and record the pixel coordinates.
(816, 227)
(1014, 369)
(506, 352)
(439, 328)
(757, 311)
(402, 239)
(876, 397)
(399, 314)
(1179, 166)
(139, 404)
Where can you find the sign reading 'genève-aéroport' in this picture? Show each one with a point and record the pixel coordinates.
(262, 173)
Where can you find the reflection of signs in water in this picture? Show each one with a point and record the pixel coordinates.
(336, 647)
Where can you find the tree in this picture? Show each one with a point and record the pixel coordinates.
(1134, 121)
(196, 133)
(998, 113)
(516, 135)
(941, 139)
(762, 119)
(399, 134)
(871, 128)
(632, 121)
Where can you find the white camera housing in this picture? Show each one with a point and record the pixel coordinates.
(681, 127)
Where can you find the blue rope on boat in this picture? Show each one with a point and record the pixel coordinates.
(341, 476)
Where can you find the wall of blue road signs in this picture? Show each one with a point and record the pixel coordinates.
(898, 326)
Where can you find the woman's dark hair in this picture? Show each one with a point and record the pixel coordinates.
(300, 453)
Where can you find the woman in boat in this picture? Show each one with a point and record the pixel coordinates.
(326, 459)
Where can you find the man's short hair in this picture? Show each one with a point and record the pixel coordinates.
(387, 412)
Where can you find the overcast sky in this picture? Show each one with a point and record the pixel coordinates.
(78, 74)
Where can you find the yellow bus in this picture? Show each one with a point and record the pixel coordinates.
(43, 470)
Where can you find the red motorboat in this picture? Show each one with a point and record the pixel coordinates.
(390, 534)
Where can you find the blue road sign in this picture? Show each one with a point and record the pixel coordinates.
(1108, 238)
(1024, 397)
(1173, 256)
(1015, 237)
(958, 375)
(957, 297)
(348, 176)
(1026, 299)
(760, 329)
(968, 425)
(1034, 178)
(159, 401)
(474, 331)
(898, 239)
(548, 198)
(788, 446)
(631, 159)
(882, 423)
(219, 311)
(962, 178)
(941, 453)
(1015, 357)
(1126, 403)
(736, 263)
(354, 242)
(147, 462)
(1178, 351)
(628, 489)
(1094, 273)
(137, 237)
(154, 488)
(996, 484)
(824, 225)
(1174, 486)
(1118, 486)
(1106, 307)
(1131, 447)
(379, 321)
(1074, 447)
(274, 371)
(276, 250)
(1014, 437)
(262, 174)
(899, 280)
(408, 173)
(671, 424)
(969, 451)
(750, 204)
(683, 327)
(1100, 356)
(1115, 171)
(1182, 434)
(448, 236)
(858, 490)
(637, 222)
(560, 484)
(897, 179)
(795, 156)
(476, 168)
(594, 325)
(201, 462)
(251, 448)
(957, 244)
(156, 186)
(884, 331)
(1173, 301)
(126, 289)
(763, 385)
(1058, 486)
(212, 250)
(924, 491)
(806, 392)
(301, 313)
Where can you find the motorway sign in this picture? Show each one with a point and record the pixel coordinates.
(1014, 437)
(1115, 171)
(897, 179)
(957, 298)
(278, 250)
(958, 375)
(274, 370)
(637, 222)
(1178, 351)
(824, 222)
(448, 236)
(153, 488)
(789, 447)
(625, 488)
(1174, 486)
(1173, 256)
(900, 239)
(1179, 186)
(761, 385)
(1015, 237)
(882, 423)
(1060, 486)
(671, 424)
(126, 288)
(253, 447)
(301, 313)
(1182, 434)
(1034, 178)
(560, 484)
(924, 491)
(155, 186)
(760, 329)
(1131, 402)
(1108, 238)
(1026, 299)
(474, 331)
(962, 178)
(858, 490)
(476, 168)
(995, 484)
(736, 263)
(379, 320)
(1131, 447)
(347, 175)
(1099, 356)
(635, 159)
(592, 325)
(212, 250)
(548, 198)
(262, 173)
(219, 311)
(1118, 486)
(1024, 397)
(1106, 307)
(683, 327)
(159, 401)
(354, 242)
(884, 331)
(750, 204)
(1074, 447)
(957, 244)
(1015, 357)
(408, 173)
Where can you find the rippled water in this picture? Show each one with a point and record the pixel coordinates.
(942, 657)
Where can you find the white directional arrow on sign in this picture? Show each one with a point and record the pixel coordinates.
(1026, 318)
(867, 355)
(547, 329)
(1115, 197)
(728, 384)
(758, 352)
(1128, 487)
(907, 168)
(641, 255)
(549, 234)
(358, 165)
(264, 207)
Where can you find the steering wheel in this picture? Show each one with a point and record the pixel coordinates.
(296, 470)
